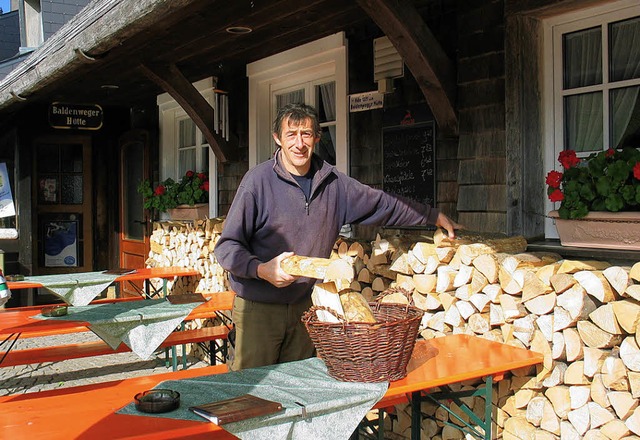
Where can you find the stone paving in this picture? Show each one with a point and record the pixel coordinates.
(51, 375)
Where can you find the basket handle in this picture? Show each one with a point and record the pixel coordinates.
(308, 315)
(392, 290)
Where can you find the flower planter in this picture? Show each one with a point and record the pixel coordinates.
(189, 212)
(605, 230)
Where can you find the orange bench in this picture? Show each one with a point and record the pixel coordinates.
(99, 348)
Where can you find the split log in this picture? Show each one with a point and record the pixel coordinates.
(560, 399)
(634, 272)
(541, 305)
(533, 286)
(627, 314)
(578, 396)
(633, 291)
(579, 419)
(593, 360)
(573, 345)
(618, 278)
(614, 430)
(605, 318)
(598, 415)
(561, 282)
(594, 336)
(630, 354)
(614, 374)
(424, 283)
(577, 303)
(574, 375)
(422, 251)
(573, 266)
(319, 268)
(596, 285)
(623, 403)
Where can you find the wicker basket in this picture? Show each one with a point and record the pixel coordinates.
(364, 352)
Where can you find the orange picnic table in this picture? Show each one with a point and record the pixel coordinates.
(89, 411)
(145, 274)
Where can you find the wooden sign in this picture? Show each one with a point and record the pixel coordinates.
(77, 116)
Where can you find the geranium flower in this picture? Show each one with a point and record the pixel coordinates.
(191, 189)
(556, 196)
(189, 174)
(636, 170)
(568, 159)
(205, 186)
(554, 178)
(160, 190)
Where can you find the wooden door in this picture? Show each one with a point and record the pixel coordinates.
(134, 219)
(62, 200)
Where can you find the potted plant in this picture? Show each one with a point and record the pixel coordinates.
(185, 199)
(602, 190)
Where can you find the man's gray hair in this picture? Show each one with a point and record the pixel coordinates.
(297, 113)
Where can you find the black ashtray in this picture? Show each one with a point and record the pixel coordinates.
(157, 401)
(54, 311)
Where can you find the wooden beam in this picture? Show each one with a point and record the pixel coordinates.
(423, 55)
(172, 81)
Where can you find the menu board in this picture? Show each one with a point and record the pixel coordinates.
(408, 163)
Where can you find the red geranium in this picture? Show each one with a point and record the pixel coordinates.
(568, 159)
(190, 174)
(160, 189)
(636, 170)
(556, 196)
(205, 186)
(554, 178)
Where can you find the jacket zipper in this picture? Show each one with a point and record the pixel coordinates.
(306, 207)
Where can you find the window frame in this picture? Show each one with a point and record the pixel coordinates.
(313, 63)
(553, 98)
(170, 114)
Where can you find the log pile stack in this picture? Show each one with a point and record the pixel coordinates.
(584, 316)
(189, 244)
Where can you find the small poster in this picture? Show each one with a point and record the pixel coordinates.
(61, 244)
(7, 207)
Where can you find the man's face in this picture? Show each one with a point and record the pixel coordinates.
(297, 142)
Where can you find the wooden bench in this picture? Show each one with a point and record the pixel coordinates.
(99, 348)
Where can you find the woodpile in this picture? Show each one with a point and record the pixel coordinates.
(584, 316)
(189, 244)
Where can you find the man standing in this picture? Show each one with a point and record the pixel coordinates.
(294, 203)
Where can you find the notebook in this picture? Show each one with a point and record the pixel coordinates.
(236, 408)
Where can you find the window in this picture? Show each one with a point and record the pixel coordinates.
(315, 74)
(183, 146)
(594, 82)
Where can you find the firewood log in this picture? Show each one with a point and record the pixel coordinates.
(598, 415)
(533, 286)
(633, 291)
(614, 430)
(579, 419)
(487, 265)
(594, 336)
(596, 285)
(623, 403)
(574, 349)
(578, 396)
(573, 266)
(577, 303)
(422, 250)
(319, 268)
(634, 272)
(593, 360)
(633, 422)
(561, 282)
(630, 354)
(560, 399)
(618, 278)
(425, 283)
(545, 324)
(517, 428)
(605, 318)
(541, 305)
(574, 375)
(627, 314)
(539, 344)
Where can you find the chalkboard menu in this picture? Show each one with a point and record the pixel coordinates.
(409, 161)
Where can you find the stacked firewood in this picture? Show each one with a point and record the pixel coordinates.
(189, 244)
(584, 316)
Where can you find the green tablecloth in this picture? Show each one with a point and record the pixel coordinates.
(141, 325)
(334, 408)
(77, 289)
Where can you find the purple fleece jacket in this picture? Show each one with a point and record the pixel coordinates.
(270, 215)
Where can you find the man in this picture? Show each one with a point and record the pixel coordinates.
(294, 203)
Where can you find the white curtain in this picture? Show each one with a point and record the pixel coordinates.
(583, 113)
(328, 102)
(625, 44)
(296, 96)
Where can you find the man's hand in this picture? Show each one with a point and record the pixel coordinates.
(449, 225)
(273, 273)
